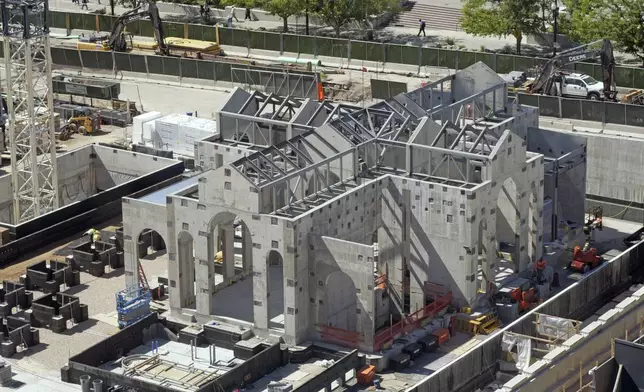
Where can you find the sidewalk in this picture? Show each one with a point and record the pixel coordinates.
(397, 35)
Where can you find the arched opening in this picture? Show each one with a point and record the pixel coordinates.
(150, 245)
(508, 221)
(275, 270)
(340, 302)
(186, 260)
(152, 254)
(230, 248)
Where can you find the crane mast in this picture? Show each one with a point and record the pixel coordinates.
(30, 114)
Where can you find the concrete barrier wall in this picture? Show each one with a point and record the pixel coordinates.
(250, 371)
(560, 370)
(471, 370)
(343, 49)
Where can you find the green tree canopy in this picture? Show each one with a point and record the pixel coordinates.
(618, 20)
(502, 18)
(282, 8)
(337, 13)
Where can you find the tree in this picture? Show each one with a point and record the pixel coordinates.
(337, 13)
(621, 21)
(501, 18)
(282, 8)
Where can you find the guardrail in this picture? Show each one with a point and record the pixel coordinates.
(630, 77)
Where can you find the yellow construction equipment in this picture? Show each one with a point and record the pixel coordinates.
(83, 124)
(634, 97)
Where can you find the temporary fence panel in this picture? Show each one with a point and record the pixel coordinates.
(631, 77)
(385, 89)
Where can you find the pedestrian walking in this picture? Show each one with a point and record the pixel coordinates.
(201, 10)
(247, 16)
(232, 12)
(422, 28)
(84, 5)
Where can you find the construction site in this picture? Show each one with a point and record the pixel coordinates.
(296, 226)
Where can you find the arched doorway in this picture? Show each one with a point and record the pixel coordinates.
(230, 247)
(340, 301)
(508, 221)
(186, 260)
(151, 254)
(275, 289)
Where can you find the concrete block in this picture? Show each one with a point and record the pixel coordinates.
(537, 366)
(626, 304)
(58, 324)
(7, 349)
(516, 382)
(552, 355)
(5, 309)
(84, 311)
(573, 341)
(606, 317)
(5, 373)
(75, 278)
(35, 336)
(591, 328)
(639, 293)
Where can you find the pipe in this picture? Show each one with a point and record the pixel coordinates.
(192, 350)
(84, 383)
(293, 60)
(210, 352)
(214, 354)
(98, 385)
(196, 351)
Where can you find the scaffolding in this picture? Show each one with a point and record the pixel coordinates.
(132, 305)
(29, 108)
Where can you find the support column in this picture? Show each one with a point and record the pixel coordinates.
(227, 238)
(260, 289)
(204, 276)
(131, 263)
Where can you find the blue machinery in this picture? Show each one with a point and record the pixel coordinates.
(132, 305)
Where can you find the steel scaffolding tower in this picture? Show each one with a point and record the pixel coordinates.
(32, 142)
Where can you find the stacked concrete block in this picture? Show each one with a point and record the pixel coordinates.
(53, 311)
(5, 372)
(94, 261)
(16, 332)
(14, 295)
(48, 276)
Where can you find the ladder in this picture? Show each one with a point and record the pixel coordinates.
(143, 280)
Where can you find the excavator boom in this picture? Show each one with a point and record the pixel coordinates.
(543, 83)
(117, 41)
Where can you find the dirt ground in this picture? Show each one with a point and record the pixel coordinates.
(13, 271)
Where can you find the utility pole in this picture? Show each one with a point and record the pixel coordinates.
(32, 142)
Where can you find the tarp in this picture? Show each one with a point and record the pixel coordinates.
(555, 327)
(524, 349)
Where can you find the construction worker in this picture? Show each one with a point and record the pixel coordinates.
(94, 236)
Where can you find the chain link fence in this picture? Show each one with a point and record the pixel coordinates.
(630, 77)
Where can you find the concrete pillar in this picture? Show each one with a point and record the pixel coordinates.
(204, 275)
(260, 287)
(227, 239)
(247, 249)
(131, 263)
(184, 270)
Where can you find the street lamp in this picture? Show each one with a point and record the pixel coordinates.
(555, 28)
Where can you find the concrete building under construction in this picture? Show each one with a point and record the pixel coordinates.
(341, 217)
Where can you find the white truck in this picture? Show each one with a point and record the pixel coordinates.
(577, 85)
